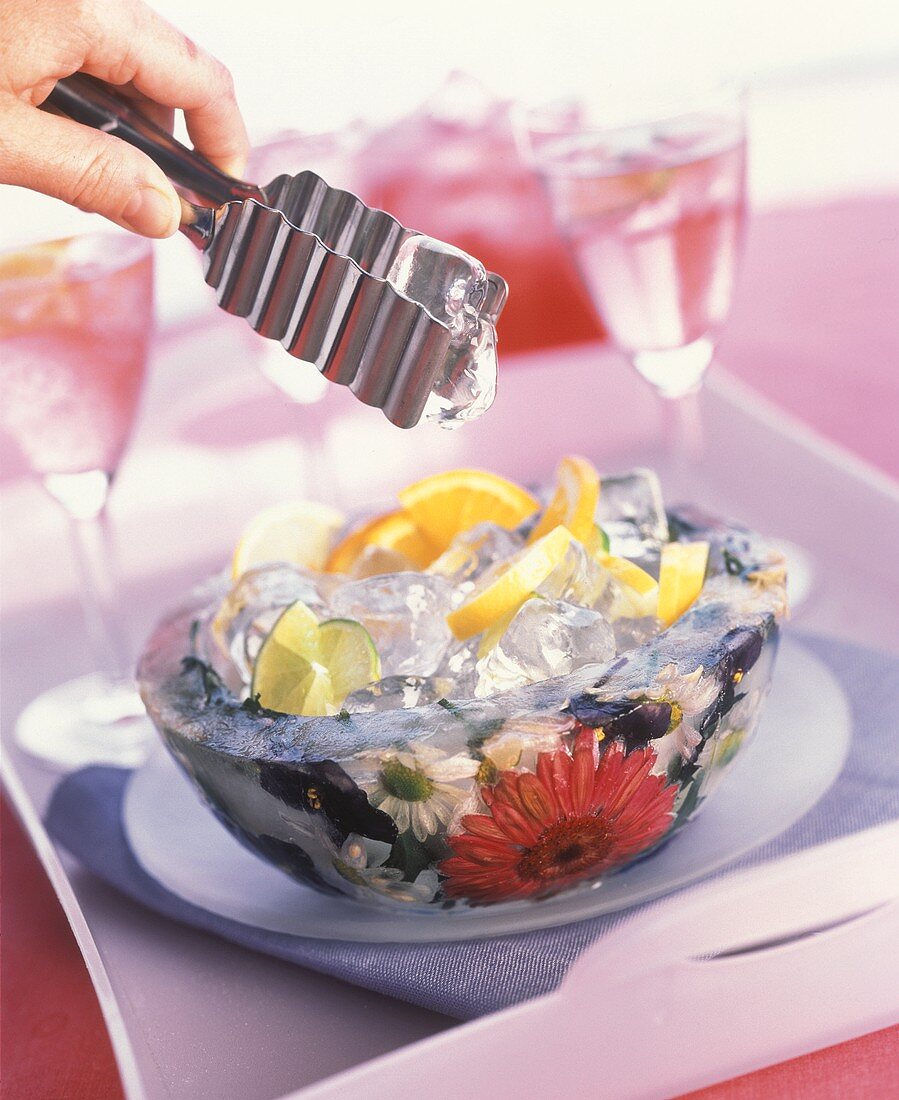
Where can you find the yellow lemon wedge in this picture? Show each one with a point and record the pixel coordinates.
(308, 668)
(574, 500)
(597, 542)
(37, 262)
(639, 594)
(299, 532)
(504, 589)
(681, 577)
(628, 573)
(442, 505)
(392, 531)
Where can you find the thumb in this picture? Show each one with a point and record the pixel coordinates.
(91, 170)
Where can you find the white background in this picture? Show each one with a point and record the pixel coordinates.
(824, 78)
(313, 66)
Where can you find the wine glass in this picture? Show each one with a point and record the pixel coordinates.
(649, 190)
(75, 322)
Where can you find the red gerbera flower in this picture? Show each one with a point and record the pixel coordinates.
(579, 815)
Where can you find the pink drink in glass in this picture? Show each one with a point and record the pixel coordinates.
(75, 318)
(655, 218)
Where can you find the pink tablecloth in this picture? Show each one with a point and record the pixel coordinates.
(816, 323)
(815, 330)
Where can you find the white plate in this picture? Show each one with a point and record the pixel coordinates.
(794, 758)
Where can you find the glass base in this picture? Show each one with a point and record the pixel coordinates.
(801, 573)
(92, 720)
(676, 372)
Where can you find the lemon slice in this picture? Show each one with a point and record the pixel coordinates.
(300, 532)
(639, 595)
(308, 668)
(443, 505)
(629, 573)
(681, 577)
(393, 531)
(501, 592)
(574, 501)
(37, 262)
(597, 542)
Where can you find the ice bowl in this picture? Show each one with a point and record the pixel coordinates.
(504, 800)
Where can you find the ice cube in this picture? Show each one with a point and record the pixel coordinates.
(253, 605)
(473, 552)
(449, 283)
(546, 638)
(405, 615)
(467, 387)
(395, 693)
(633, 631)
(458, 668)
(632, 513)
(578, 579)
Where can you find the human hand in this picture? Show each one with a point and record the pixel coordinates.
(124, 43)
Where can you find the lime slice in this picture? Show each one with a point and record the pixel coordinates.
(346, 649)
(308, 668)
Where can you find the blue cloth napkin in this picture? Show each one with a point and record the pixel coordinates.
(472, 978)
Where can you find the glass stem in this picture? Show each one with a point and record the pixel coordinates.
(312, 426)
(84, 500)
(685, 440)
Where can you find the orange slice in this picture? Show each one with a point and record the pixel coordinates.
(574, 501)
(393, 531)
(443, 505)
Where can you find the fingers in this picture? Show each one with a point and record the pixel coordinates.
(131, 43)
(87, 168)
(164, 117)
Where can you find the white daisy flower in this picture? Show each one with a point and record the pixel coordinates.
(360, 861)
(414, 786)
(688, 695)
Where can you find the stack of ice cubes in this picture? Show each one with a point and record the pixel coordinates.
(580, 615)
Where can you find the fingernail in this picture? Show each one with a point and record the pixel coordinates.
(151, 212)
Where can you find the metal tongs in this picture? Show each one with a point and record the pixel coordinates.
(305, 263)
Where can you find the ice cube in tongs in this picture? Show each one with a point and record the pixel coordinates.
(406, 321)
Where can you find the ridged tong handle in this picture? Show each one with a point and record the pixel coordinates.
(91, 103)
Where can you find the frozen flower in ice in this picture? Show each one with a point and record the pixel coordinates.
(578, 815)
(720, 749)
(362, 864)
(415, 786)
(518, 742)
(688, 695)
(771, 580)
(515, 745)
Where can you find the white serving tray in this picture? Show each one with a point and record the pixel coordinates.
(194, 1017)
